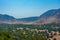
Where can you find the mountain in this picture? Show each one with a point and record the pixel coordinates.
(12, 20)
(6, 17)
(29, 19)
(51, 16)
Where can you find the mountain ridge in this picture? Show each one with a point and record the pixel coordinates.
(50, 16)
(4, 18)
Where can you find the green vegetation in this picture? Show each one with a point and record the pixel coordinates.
(10, 31)
(20, 35)
(49, 27)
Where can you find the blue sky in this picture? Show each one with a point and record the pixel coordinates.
(27, 8)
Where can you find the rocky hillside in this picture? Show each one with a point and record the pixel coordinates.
(51, 16)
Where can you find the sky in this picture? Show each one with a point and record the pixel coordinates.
(27, 8)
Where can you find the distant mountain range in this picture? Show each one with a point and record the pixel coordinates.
(29, 19)
(12, 20)
(51, 16)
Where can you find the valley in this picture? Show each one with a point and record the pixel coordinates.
(43, 27)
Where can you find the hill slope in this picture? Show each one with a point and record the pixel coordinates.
(6, 18)
(51, 16)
